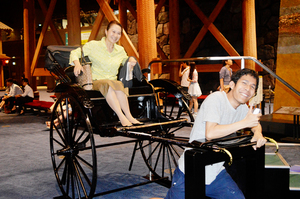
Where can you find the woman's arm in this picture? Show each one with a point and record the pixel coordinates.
(180, 71)
(222, 84)
(78, 68)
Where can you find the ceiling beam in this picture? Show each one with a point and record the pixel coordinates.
(43, 32)
(204, 29)
(52, 26)
(213, 29)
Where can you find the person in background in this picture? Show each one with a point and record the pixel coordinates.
(222, 114)
(21, 99)
(194, 89)
(106, 57)
(184, 72)
(2, 102)
(9, 99)
(225, 75)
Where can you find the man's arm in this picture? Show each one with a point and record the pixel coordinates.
(214, 130)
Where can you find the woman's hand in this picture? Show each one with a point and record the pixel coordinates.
(131, 63)
(78, 68)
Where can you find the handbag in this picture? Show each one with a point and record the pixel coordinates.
(85, 77)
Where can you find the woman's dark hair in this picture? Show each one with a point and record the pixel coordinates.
(192, 68)
(114, 22)
(237, 75)
(224, 62)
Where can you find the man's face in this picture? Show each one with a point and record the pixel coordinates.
(244, 89)
(8, 84)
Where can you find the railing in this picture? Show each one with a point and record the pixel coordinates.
(242, 58)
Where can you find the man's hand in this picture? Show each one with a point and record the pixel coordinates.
(251, 119)
(259, 139)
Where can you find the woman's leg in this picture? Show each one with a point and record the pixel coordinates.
(191, 104)
(116, 104)
(123, 100)
(195, 99)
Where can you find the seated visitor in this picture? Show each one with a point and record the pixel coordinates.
(9, 99)
(106, 57)
(27, 96)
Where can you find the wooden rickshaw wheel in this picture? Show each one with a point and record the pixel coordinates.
(173, 104)
(72, 149)
(161, 159)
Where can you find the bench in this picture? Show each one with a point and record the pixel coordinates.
(38, 105)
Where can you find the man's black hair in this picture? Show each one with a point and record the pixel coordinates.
(25, 80)
(238, 74)
(10, 80)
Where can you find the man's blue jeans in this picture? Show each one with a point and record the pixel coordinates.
(223, 187)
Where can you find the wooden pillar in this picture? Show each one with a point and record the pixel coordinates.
(174, 38)
(249, 32)
(1, 52)
(29, 39)
(73, 17)
(1, 65)
(146, 30)
(123, 14)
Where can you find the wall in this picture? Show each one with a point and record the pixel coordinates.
(288, 56)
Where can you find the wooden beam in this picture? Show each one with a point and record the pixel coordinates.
(131, 9)
(160, 4)
(212, 28)
(97, 24)
(123, 14)
(73, 17)
(41, 72)
(52, 26)
(204, 29)
(161, 52)
(147, 33)
(213, 67)
(43, 32)
(126, 42)
(249, 32)
(174, 38)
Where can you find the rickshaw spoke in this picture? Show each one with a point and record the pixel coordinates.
(83, 173)
(158, 156)
(169, 161)
(63, 145)
(85, 162)
(79, 181)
